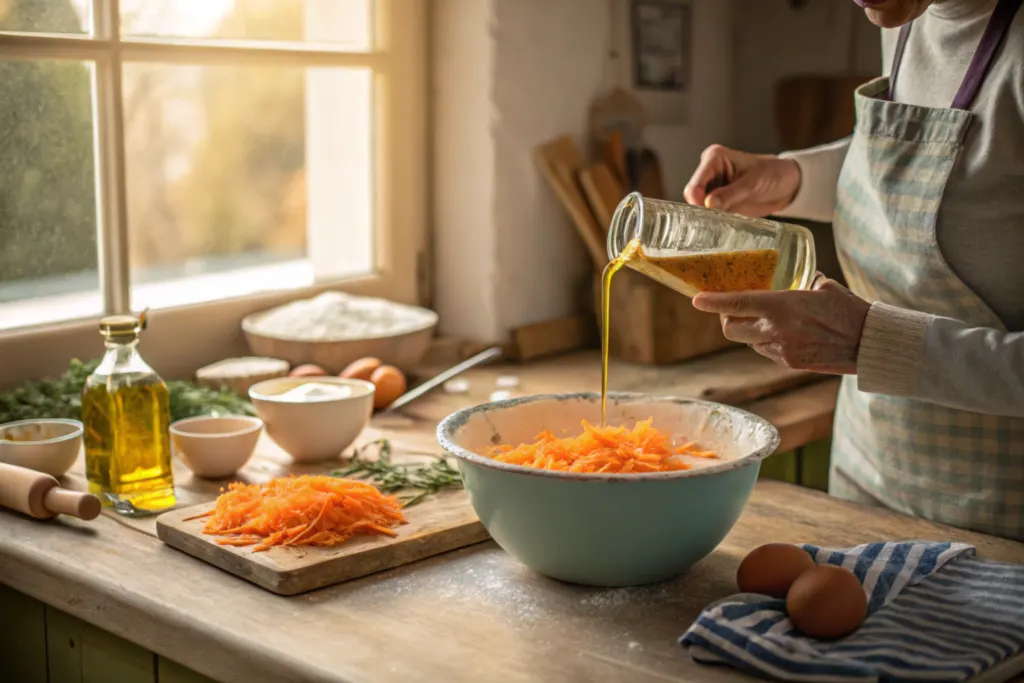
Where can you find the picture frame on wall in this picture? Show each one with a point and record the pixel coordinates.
(661, 37)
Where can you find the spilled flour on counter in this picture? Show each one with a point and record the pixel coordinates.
(335, 316)
(657, 594)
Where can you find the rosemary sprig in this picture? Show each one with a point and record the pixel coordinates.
(390, 476)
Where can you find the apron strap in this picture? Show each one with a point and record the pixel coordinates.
(998, 26)
(897, 57)
(995, 32)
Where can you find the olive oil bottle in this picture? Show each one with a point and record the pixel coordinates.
(125, 410)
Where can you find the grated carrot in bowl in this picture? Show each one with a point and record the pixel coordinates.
(603, 450)
(308, 510)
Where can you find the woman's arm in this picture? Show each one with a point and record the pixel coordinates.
(943, 361)
(819, 176)
(891, 350)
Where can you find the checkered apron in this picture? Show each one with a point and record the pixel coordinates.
(951, 466)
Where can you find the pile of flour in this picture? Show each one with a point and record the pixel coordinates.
(334, 316)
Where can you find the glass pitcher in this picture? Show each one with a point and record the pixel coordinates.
(693, 249)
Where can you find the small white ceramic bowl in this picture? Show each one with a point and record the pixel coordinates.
(313, 430)
(45, 445)
(216, 446)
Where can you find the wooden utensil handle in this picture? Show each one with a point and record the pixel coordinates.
(39, 495)
(75, 503)
(23, 489)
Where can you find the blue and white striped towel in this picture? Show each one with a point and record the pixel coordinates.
(947, 617)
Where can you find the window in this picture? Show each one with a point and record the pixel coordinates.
(160, 153)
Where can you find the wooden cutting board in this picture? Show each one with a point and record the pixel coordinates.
(437, 525)
(560, 160)
(603, 190)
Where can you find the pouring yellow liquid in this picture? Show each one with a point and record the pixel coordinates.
(690, 274)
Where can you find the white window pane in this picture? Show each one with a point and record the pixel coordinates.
(245, 179)
(48, 261)
(46, 16)
(339, 24)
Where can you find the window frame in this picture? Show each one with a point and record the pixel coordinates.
(398, 59)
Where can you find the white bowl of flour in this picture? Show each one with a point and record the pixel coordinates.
(333, 329)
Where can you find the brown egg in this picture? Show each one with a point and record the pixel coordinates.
(360, 369)
(390, 383)
(827, 602)
(307, 370)
(771, 569)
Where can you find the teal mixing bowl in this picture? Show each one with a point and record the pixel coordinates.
(608, 529)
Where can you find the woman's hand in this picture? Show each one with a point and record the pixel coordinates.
(756, 184)
(817, 330)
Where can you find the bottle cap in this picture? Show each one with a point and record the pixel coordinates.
(120, 326)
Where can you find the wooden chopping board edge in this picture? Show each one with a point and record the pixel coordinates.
(291, 571)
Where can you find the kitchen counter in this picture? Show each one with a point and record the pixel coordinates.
(470, 615)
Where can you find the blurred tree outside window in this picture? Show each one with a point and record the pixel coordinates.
(216, 155)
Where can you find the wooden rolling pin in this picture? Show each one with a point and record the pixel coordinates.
(40, 495)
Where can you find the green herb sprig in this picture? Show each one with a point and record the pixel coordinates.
(61, 397)
(390, 476)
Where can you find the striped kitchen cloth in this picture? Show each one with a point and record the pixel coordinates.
(935, 613)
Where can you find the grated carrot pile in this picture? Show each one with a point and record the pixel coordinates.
(600, 450)
(306, 510)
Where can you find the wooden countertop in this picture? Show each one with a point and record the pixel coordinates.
(800, 404)
(471, 615)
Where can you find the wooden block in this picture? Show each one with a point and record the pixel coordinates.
(651, 323)
(22, 637)
(442, 523)
(552, 337)
(444, 352)
(603, 190)
(560, 160)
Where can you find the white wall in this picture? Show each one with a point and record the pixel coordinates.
(465, 241)
(549, 66)
(509, 75)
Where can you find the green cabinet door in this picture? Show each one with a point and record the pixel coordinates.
(41, 644)
(81, 653)
(172, 672)
(780, 467)
(22, 637)
(815, 460)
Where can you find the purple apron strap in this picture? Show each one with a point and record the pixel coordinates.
(996, 30)
(897, 57)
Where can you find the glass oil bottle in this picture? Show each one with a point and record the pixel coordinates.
(126, 413)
